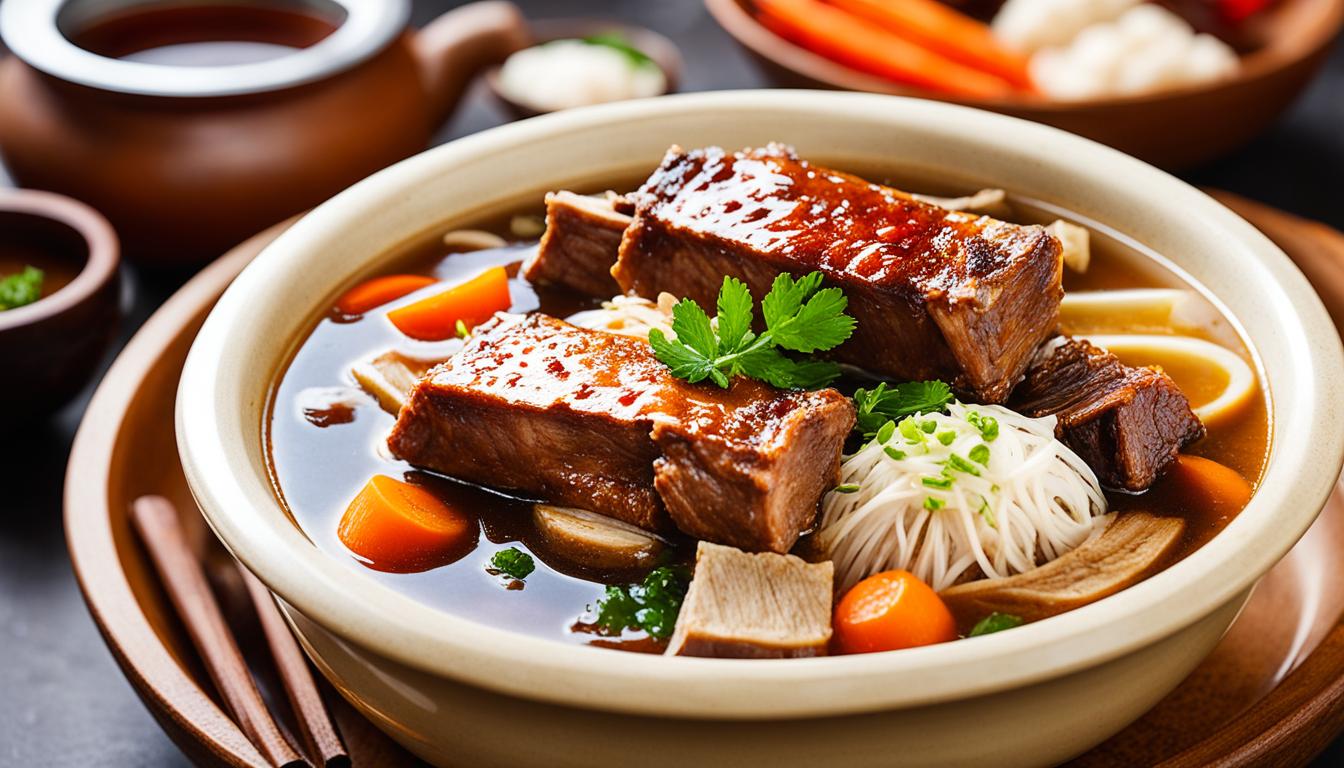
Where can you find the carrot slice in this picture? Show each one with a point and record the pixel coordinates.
(403, 528)
(378, 291)
(852, 41)
(1216, 489)
(889, 611)
(946, 31)
(435, 318)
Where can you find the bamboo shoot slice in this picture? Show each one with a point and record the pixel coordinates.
(389, 377)
(1131, 548)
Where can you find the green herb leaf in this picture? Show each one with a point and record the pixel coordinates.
(22, 288)
(651, 606)
(618, 41)
(798, 318)
(735, 308)
(887, 402)
(513, 562)
(995, 622)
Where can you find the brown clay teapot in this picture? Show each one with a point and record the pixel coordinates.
(194, 124)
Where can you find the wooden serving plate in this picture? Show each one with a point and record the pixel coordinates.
(1173, 129)
(1272, 691)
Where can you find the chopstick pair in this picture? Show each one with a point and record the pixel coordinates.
(156, 520)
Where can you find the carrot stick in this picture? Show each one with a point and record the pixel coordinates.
(1216, 488)
(945, 31)
(847, 39)
(403, 528)
(435, 318)
(378, 291)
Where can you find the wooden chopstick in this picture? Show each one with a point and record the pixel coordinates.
(157, 522)
(315, 722)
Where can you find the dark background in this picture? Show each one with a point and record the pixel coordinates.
(64, 702)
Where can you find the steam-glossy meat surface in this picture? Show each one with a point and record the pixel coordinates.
(1128, 423)
(937, 293)
(593, 420)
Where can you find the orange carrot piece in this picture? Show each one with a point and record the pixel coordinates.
(852, 41)
(403, 528)
(379, 291)
(435, 318)
(946, 31)
(889, 611)
(1216, 488)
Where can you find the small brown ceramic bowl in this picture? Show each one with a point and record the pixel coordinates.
(51, 348)
(661, 50)
(1173, 129)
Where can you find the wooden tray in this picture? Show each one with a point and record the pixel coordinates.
(1272, 691)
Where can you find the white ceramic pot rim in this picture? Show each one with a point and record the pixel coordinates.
(1302, 469)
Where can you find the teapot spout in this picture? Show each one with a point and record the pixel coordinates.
(455, 47)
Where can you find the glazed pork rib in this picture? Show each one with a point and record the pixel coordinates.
(937, 293)
(1127, 423)
(593, 420)
(583, 235)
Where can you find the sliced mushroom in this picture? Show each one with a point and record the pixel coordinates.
(593, 540)
(389, 377)
(991, 202)
(1130, 549)
(1076, 242)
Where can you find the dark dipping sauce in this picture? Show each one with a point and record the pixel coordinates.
(320, 459)
(202, 35)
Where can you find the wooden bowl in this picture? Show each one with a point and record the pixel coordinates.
(661, 50)
(1274, 684)
(53, 346)
(1172, 129)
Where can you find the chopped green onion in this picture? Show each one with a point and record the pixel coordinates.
(962, 465)
(932, 504)
(988, 425)
(846, 488)
(946, 436)
(928, 426)
(884, 434)
(910, 430)
(941, 483)
(893, 453)
(461, 329)
(980, 454)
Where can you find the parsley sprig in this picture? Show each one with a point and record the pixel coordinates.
(894, 402)
(800, 316)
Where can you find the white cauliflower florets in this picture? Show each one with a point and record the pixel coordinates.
(1148, 48)
(1030, 25)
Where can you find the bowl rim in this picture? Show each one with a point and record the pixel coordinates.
(244, 512)
(100, 261)
(734, 18)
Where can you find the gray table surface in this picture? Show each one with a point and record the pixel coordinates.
(64, 702)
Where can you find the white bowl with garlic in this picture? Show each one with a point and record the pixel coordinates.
(577, 63)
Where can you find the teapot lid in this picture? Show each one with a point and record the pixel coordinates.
(36, 31)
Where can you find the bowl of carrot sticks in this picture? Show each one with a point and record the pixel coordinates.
(1174, 82)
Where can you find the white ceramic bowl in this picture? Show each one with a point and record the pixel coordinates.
(461, 693)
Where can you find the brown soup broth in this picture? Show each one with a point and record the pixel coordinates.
(317, 470)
